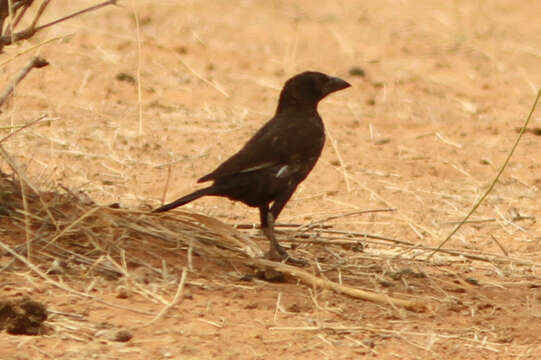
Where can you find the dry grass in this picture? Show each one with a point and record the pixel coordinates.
(423, 134)
(65, 228)
(69, 236)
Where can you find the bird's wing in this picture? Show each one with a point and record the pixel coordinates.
(274, 144)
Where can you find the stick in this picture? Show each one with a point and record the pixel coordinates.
(22, 128)
(176, 298)
(32, 29)
(40, 12)
(37, 62)
(19, 16)
(334, 217)
(318, 224)
(139, 65)
(312, 280)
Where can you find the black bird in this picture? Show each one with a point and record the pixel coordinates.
(277, 158)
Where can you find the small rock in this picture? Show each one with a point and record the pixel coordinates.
(122, 292)
(123, 336)
(270, 275)
(22, 316)
(125, 77)
(382, 141)
(357, 71)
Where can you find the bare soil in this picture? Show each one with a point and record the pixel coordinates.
(440, 90)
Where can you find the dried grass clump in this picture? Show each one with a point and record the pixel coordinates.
(67, 232)
(68, 226)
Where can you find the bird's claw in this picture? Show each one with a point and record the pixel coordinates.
(280, 254)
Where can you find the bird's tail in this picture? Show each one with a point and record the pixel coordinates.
(186, 199)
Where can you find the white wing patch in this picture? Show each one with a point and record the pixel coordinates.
(282, 172)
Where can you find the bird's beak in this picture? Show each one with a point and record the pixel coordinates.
(335, 84)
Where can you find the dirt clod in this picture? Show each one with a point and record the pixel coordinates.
(22, 316)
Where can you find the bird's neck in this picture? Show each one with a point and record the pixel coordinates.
(289, 103)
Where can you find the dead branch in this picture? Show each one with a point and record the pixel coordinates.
(16, 5)
(312, 280)
(36, 62)
(9, 39)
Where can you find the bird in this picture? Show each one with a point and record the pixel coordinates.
(266, 171)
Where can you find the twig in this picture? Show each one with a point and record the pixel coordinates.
(175, 298)
(92, 8)
(68, 314)
(28, 32)
(20, 16)
(499, 245)
(22, 128)
(312, 280)
(318, 224)
(33, 47)
(10, 8)
(166, 187)
(364, 236)
(40, 12)
(37, 62)
(139, 60)
(515, 145)
(32, 29)
(288, 226)
(334, 217)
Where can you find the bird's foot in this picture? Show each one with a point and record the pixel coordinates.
(296, 262)
(280, 254)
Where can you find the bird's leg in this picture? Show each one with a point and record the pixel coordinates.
(276, 252)
(267, 226)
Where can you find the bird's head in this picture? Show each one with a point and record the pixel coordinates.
(308, 88)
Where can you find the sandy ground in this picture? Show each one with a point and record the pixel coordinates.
(424, 129)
